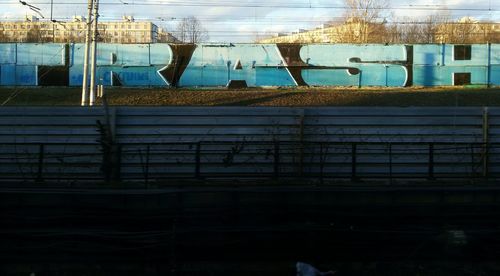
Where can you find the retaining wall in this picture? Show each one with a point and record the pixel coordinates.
(154, 143)
(257, 64)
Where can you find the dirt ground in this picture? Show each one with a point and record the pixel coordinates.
(309, 96)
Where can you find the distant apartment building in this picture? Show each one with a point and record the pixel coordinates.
(465, 30)
(352, 31)
(300, 35)
(126, 31)
(468, 30)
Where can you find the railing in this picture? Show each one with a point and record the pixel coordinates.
(163, 162)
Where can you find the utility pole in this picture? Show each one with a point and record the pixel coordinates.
(52, 21)
(94, 54)
(85, 92)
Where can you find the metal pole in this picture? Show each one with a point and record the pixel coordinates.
(85, 92)
(485, 141)
(94, 54)
(41, 152)
(321, 163)
(386, 76)
(147, 166)
(353, 162)
(431, 162)
(471, 149)
(197, 172)
(488, 76)
(276, 159)
(52, 20)
(359, 78)
(390, 163)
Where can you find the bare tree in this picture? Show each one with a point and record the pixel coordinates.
(489, 33)
(410, 30)
(34, 34)
(3, 36)
(426, 30)
(366, 19)
(467, 30)
(431, 26)
(182, 30)
(190, 30)
(366, 10)
(464, 31)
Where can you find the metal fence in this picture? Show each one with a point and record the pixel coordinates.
(161, 143)
(264, 160)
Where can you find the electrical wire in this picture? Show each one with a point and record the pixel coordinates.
(275, 22)
(276, 19)
(283, 5)
(31, 7)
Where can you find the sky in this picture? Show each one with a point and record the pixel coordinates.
(245, 20)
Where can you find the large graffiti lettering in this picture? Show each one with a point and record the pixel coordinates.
(374, 65)
(254, 65)
(181, 56)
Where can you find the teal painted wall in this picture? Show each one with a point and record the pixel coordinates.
(257, 64)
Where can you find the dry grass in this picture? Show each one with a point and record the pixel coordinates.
(262, 97)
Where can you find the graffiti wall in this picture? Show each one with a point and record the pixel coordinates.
(253, 64)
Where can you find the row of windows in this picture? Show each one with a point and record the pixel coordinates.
(81, 33)
(24, 26)
(24, 39)
(79, 26)
(140, 33)
(135, 26)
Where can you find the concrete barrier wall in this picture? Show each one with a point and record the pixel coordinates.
(256, 64)
(65, 143)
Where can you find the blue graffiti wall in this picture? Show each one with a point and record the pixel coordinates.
(131, 64)
(436, 64)
(377, 65)
(29, 64)
(257, 64)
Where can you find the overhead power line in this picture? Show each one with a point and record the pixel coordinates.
(264, 20)
(31, 7)
(287, 5)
